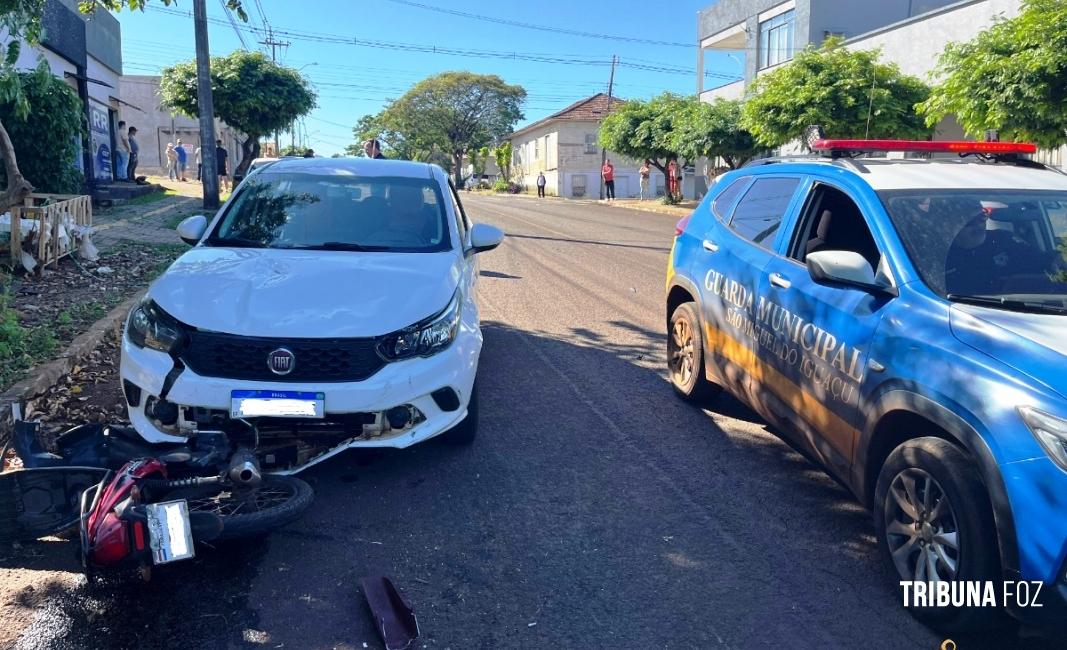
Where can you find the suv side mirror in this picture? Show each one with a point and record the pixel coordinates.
(845, 268)
(485, 238)
(192, 229)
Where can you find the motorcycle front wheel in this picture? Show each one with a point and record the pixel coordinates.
(250, 512)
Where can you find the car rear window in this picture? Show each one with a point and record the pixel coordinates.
(315, 211)
(722, 203)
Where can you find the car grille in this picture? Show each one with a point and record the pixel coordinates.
(211, 354)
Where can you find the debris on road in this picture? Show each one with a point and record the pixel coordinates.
(393, 616)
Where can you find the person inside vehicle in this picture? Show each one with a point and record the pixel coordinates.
(981, 258)
(410, 222)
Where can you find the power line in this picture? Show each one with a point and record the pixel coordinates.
(233, 23)
(544, 28)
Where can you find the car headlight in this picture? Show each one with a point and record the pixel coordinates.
(1050, 431)
(151, 327)
(425, 338)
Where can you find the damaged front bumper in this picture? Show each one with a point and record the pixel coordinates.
(404, 403)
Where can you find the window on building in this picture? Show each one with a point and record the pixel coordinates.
(590, 143)
(537, 148)
(776, 39)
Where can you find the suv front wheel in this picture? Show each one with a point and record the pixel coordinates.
(934, 523)
(685, 357)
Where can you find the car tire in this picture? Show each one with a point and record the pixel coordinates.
(933, 482)
(685, 357)
(466, 431)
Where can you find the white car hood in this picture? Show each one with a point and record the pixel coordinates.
(305, 294)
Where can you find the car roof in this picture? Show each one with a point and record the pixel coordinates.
(936, 173)
(351, 167)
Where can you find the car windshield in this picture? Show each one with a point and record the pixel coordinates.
(318, 212)
(1003, 248)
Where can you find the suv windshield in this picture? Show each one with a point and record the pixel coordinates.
(998, 247)
(319, 212)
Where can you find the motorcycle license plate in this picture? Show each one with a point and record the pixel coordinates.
(276, 403)
(169, 534)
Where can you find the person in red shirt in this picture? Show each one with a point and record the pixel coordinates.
(672, 178)
(608, 172)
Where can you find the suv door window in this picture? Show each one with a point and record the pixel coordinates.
(833, 222)
(759, 214)
(720, 207)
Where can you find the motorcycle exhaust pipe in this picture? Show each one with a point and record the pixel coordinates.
(244, 468)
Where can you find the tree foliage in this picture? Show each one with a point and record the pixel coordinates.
(714, 130)
(250, 93)
(1011, 77)
(645, 129)
(51, 131)
(834, 88)
(502, 156)
(454, 112)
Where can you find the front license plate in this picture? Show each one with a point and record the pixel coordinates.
(276, 403)
(169, 535)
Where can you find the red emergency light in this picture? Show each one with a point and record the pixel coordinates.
(953, 146)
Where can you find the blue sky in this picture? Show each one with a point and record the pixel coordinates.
(353, 80)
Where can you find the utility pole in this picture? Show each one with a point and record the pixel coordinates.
(274, 45)
(603, 151)
(210, 176)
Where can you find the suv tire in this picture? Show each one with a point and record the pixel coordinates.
(930, 497)
(685, 357)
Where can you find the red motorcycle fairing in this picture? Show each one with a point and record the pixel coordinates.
(110, 539)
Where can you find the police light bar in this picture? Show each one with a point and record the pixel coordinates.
(953, 146)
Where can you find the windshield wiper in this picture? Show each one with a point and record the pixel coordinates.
(344, 246)
(234, 242)
(1008, 303)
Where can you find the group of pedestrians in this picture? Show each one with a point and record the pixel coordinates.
(126, 156)
(177, 157)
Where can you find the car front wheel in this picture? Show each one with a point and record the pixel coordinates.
(934, 523)
(685, 356)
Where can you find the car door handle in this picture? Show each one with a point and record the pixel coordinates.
(779, 281)
(711, 246)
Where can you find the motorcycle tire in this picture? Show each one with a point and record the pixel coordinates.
(277, 501)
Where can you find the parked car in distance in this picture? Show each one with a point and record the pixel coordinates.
(903, 322)
(329, 304)
(255, 164)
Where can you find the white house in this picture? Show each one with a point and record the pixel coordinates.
(564, 146)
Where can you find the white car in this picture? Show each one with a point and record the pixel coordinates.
(328, 305)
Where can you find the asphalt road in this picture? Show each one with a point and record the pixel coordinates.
(595, 510)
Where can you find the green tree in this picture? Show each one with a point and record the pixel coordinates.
(401, 146)
(714, 130)
(836, 89)
(292, 150)
(52, 130)
(251, 93)
(456, 113)
(1011, 77)
(644, 130)
(502, 156)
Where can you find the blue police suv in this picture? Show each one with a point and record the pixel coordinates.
(904, 321)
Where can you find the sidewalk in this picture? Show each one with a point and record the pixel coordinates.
(683, 209)
(150, 221)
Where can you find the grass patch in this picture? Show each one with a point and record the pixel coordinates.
(151, 198)
(176, 219)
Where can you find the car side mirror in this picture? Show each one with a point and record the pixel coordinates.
(485, 238)
(845, 268)
(192, 229)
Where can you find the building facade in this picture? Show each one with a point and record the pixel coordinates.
(564, 146)
(158, 125)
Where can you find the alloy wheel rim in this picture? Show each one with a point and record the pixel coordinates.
(921, 528)
(680, 352)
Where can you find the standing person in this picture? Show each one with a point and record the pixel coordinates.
(608, 172)
(372, 148)
(541, 182)
(672, 178)
(199, 165)
(645, 172)
(220, 161)
(131, 169)
(172, 162)
(122, 153)
(183, 159)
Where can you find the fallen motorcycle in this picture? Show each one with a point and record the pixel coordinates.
(150, 510)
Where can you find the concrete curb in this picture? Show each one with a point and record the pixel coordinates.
(46, 375)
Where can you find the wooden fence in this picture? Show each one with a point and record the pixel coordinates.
(50, 211)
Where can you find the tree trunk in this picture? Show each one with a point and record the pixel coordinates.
(457, 168)
(18, 188)
(249, 152)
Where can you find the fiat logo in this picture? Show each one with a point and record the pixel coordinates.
(281, 361)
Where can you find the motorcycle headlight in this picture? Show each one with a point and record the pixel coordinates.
(1050, 431)
(151, 327)
(425, 338)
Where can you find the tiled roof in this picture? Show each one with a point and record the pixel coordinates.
(590, 108)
